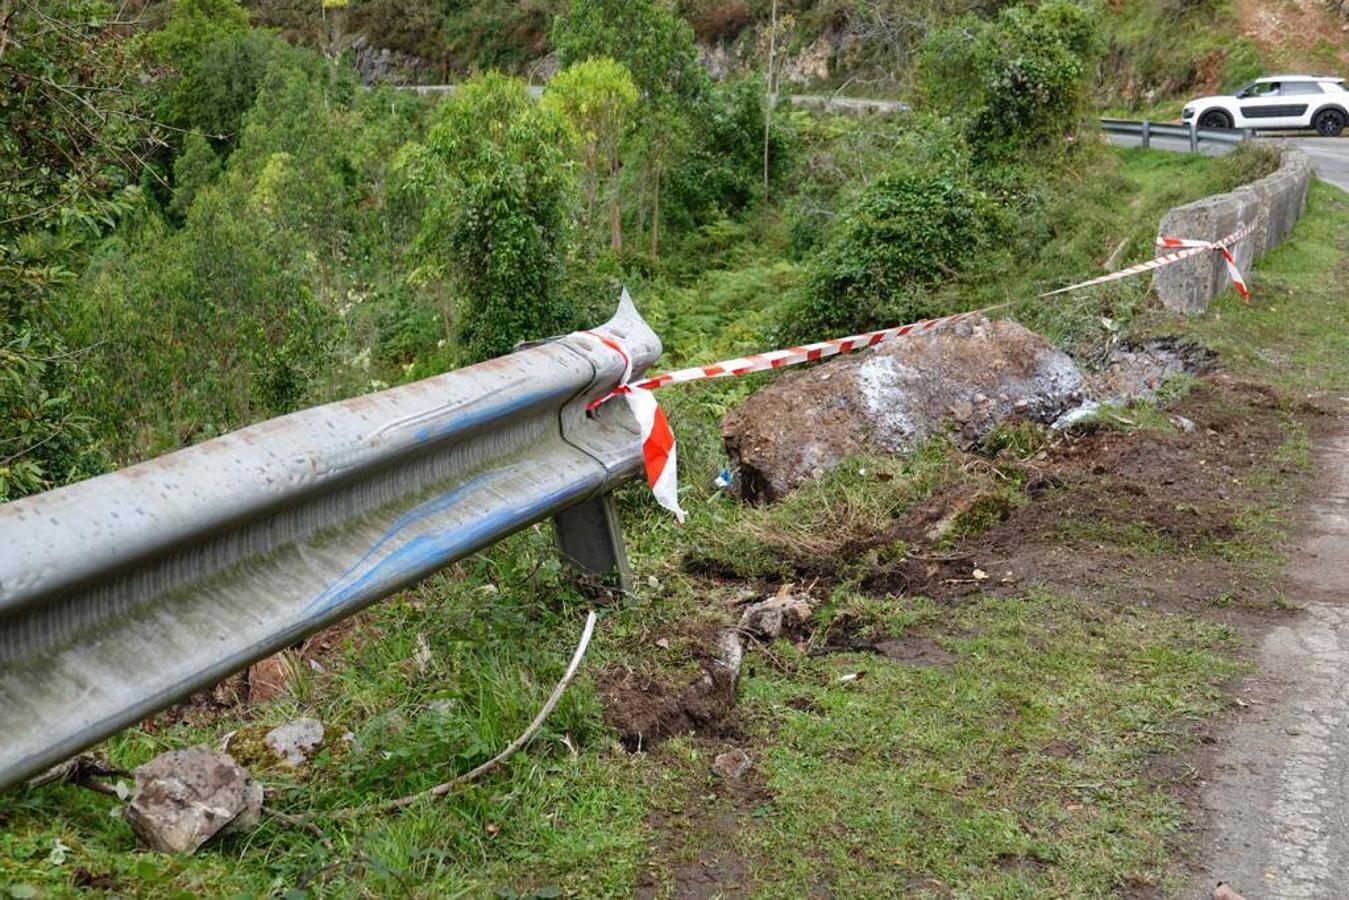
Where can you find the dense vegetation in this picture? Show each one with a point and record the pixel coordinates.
(207, 225)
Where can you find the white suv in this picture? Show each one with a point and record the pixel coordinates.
(1280, 101)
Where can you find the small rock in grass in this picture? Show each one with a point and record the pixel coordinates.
(294, 741)
(185, 797)
(731, 764)
(770, 618)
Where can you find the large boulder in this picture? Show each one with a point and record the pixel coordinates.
(970, 376)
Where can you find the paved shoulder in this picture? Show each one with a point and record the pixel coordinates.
(1280, 796)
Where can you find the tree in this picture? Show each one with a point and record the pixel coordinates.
(75, 136)
(195, 168)
(914, 225)
(649, 37)
(495, 172)
(597, 97)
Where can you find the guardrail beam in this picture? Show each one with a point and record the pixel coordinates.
(126, 593)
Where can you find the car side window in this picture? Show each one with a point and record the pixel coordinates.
(1262, 89)
(1302, 87)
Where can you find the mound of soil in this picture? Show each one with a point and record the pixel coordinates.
(1149, 516)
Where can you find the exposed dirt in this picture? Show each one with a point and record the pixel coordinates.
(695, 855)
(1146, 517)
(847, 635)
(646, 708)
(1293, 24)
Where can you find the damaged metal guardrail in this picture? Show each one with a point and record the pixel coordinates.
(1147, 130)
(126, 593)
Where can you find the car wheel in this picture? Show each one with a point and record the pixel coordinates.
(1329, 122)
(1215, 118)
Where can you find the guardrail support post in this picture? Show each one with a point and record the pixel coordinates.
(1147, 134)
(1194, 136)
(590, 541)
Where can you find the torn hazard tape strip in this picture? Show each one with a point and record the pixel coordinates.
(658, 442)
(1189, 248)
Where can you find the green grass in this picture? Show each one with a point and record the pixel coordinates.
(1296, 332)
(1014, 773)
(1020, 770)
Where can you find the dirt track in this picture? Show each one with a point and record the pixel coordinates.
(1279, 796)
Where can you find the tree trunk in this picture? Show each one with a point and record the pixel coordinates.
(655, 218)
(769, 100)
(615, 213)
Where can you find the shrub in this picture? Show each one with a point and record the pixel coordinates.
(195, 168)
(1031, 68)
(722, 173)
(647, 36)
(909, 228)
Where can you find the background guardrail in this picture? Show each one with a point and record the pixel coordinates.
(128, 592)
(1197, 137)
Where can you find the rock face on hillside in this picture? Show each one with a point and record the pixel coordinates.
(972, 375)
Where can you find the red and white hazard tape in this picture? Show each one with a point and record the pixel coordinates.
(658, 442)
(1190, 248)
(776, 359)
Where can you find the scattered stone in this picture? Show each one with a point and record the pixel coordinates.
(185, 797)
(1224, 891)
(663, 643)
(295, 741)
(771, 618)
(1184, 424)
(1136, 372)
(974, 375)
(1074, 416)
(733, 764)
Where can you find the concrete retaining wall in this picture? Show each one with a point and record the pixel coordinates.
(1273, 204)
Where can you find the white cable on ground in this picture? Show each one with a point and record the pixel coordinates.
(441, 790)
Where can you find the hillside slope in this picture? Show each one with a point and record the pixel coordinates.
(1156, 49)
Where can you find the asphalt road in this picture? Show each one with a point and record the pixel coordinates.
(1330, 156)
(1279, 794)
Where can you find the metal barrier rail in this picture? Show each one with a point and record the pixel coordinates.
(128, 592)
(1147, 130)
